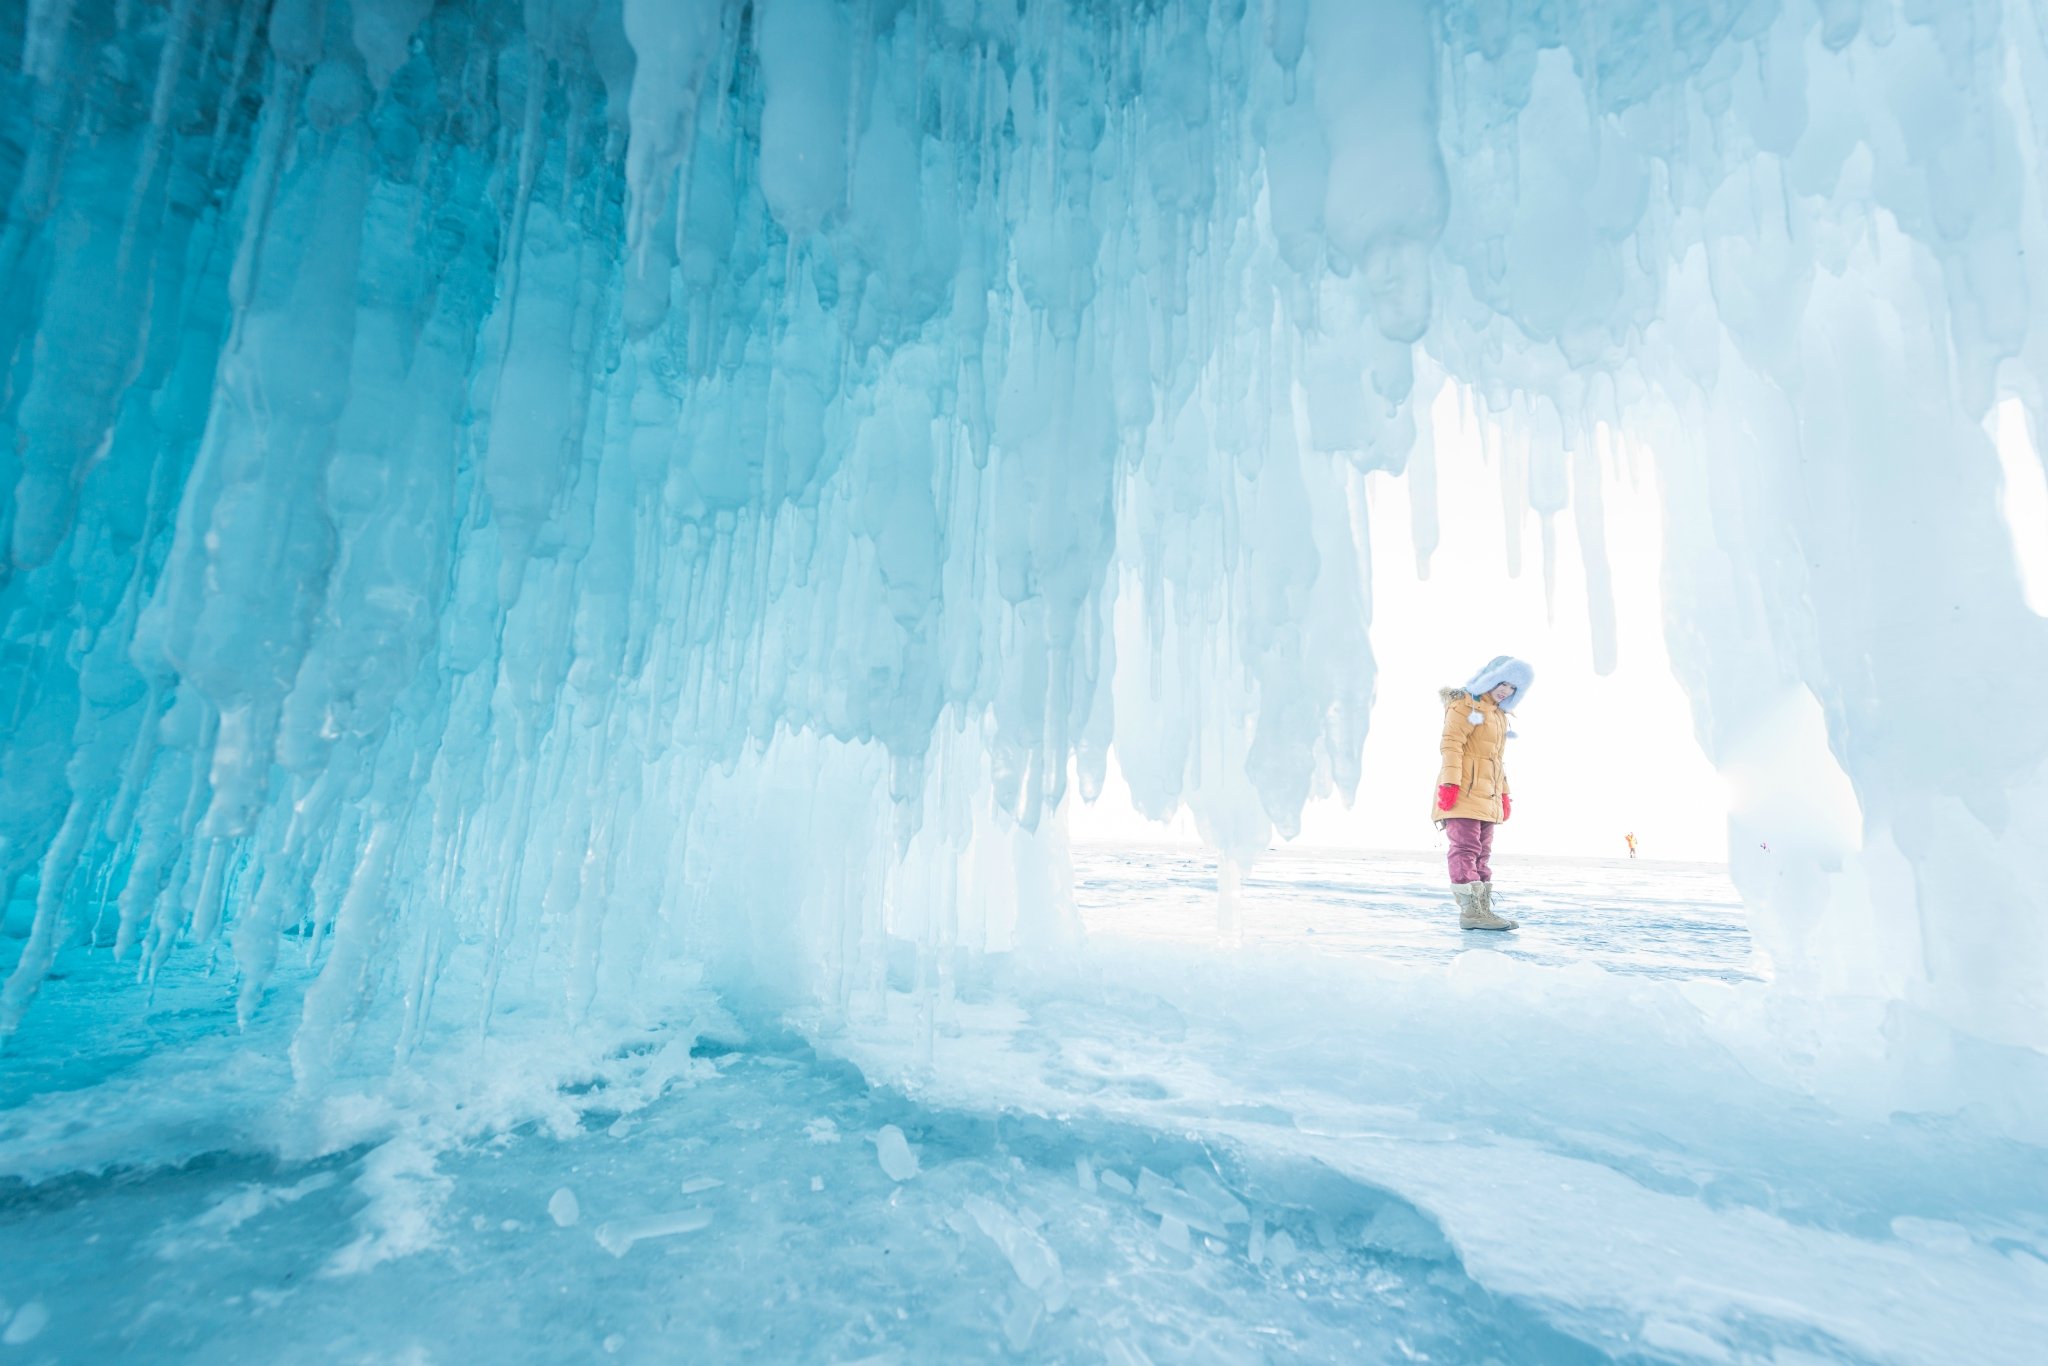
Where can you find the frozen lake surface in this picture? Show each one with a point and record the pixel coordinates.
(1353, 1135)
(1626, 915)
(744, 1218)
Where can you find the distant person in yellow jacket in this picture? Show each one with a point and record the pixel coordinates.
(1631, 838)
(1472, 787)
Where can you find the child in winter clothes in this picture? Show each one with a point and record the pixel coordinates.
(1472, 787)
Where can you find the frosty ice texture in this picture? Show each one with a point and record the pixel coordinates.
(541, 490)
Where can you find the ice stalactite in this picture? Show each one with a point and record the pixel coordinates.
(532, 491)
(1796, 261)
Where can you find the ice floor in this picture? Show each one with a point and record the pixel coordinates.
(1373, 1143)
(748, 1218)
(1677, 920)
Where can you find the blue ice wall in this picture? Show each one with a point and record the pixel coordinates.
(570, 485)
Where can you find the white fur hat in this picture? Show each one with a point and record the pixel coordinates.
(1503, 669)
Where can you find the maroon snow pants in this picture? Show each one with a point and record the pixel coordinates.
(1471, 849)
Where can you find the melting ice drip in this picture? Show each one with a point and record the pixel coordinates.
(582, 485)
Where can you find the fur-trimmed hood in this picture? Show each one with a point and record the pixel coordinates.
(1474, 716)
(1500, 669)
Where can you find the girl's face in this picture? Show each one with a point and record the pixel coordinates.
(1501, 693)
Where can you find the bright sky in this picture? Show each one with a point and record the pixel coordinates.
(2023, 497)
(1593, 759)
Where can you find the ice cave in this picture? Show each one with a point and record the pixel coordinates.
(567, 566)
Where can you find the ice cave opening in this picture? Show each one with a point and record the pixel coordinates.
(567, 567)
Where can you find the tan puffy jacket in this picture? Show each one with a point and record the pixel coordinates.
(1472, 757)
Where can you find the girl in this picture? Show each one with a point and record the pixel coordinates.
(1472, 788)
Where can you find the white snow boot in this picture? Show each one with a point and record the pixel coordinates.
(1475, 908)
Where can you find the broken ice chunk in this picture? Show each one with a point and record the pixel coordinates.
(1030, 1256)
(1173, 1234)
(1689, 1343)
(563, 1209)
(698, 1184)
(1163, 1197)
(1084, 1173)
(1203, 1185)
(897, 1158)
(822, 1130)
(618, 1236)
(1021, 1322)
(1116, 1182)
(1406, 1232)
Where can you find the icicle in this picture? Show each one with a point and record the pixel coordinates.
(673, 50)
(169, 67)
(382, 31)
(1422, 495)
(42, 48)
(344, 990)
(46, 933)
(1589, 519)
(911, 402)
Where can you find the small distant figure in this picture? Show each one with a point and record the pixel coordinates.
(1631, 838)
(1472, 788)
